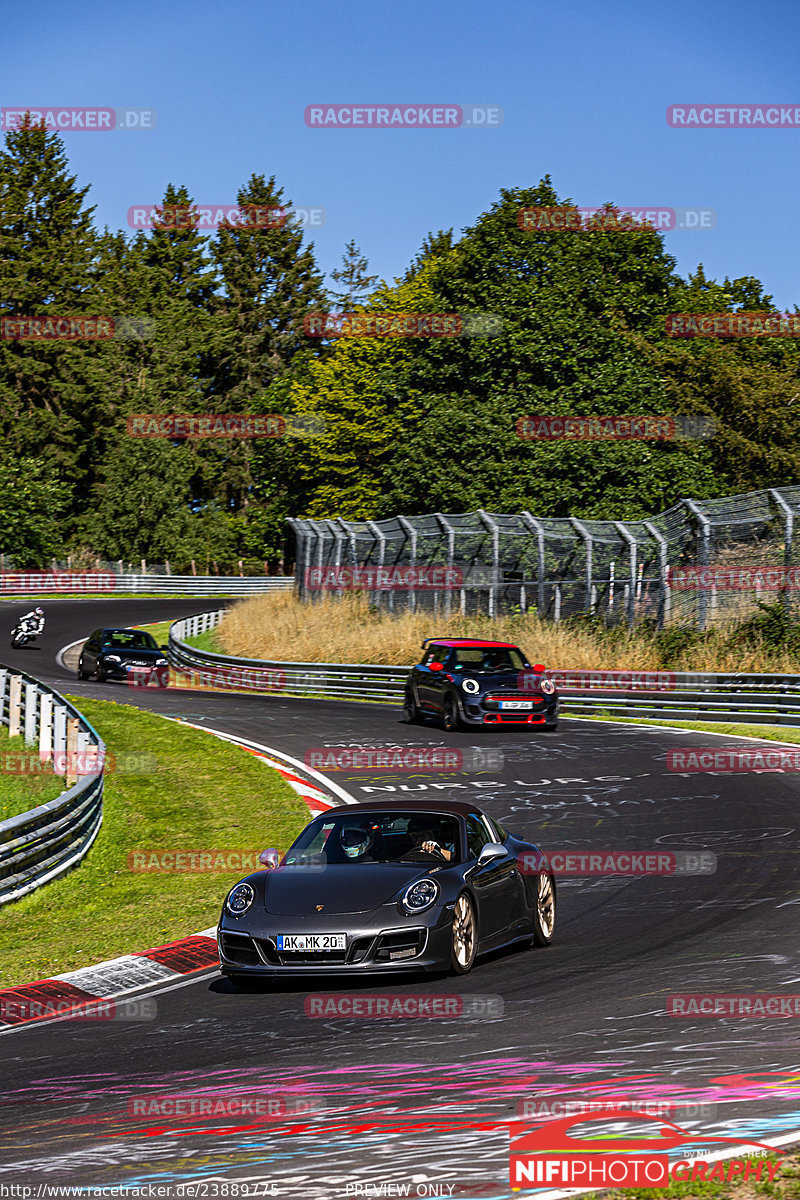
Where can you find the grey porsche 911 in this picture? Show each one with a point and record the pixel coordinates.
(386, 887)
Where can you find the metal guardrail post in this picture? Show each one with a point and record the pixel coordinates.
(59, 737)
(704, 556)
(14, 705)
(788, 540)
(537, 528)
(632, 559)
(39, 845)
(588, 542)
(409, 529)
(451, 550)
(494, 529)
(665, 598)
(380, 538)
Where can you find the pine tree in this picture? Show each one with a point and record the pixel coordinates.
(270, 282)
(353, 275)
(48, 252)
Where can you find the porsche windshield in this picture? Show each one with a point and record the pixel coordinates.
(491, 660)
(378, 837)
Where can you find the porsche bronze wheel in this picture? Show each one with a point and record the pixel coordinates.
(452, 721)
(544, 917)
(464, 935)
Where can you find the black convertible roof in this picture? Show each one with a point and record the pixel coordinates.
(461, 807)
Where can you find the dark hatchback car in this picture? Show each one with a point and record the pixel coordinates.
(467, 682)
(386, 887)
(124, 654)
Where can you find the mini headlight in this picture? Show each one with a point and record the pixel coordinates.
(162, 662)
(420, 895)
(470, 685)
(240, 899)
(112, 658)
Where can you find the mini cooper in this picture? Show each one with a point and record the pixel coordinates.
(467, 683)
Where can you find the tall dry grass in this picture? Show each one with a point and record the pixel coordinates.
(278, 626)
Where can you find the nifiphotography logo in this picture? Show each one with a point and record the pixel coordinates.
(552, 1155)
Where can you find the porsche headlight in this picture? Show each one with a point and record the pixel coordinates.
(470, 685)
(420, 895)
(240, 899)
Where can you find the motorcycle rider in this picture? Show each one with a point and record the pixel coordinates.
(33, 621)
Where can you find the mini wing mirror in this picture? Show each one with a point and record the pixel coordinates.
(436, 666)
(163, 647)
(269, 858)
(491, 851)
(539, 669)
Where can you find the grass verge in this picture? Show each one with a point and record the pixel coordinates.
(202, 641)
(20, 788)
(198, 794)
(348, 630)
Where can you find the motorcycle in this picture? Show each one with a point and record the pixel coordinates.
(21, 634)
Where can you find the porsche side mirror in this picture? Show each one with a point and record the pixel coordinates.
(490, 852)
(269, 858)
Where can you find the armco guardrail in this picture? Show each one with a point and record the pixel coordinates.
(45, 583)
(38, 845)
(680, 696)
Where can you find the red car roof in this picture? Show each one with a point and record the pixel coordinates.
(469, 642)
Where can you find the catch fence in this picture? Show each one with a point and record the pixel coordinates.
(698, 563)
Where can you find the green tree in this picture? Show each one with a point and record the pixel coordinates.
(356, 282)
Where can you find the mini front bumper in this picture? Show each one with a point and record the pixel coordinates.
(482, 710)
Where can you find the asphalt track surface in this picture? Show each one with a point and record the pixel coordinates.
(428, 1103)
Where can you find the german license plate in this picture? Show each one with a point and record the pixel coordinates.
(525, 704)
(312, 941)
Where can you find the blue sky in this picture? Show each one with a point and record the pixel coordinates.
(584, 87)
